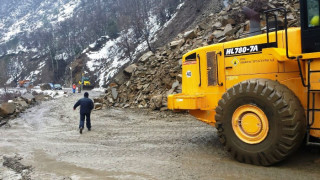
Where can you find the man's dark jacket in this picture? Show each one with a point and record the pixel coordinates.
(86, 105)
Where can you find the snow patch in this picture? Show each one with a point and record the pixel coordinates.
(64, 56)
(67, 10)
(24, 23)
(103, 52)
(15, 72)
(174, 15)
(180, 5)
(33, 75)
(93, 45)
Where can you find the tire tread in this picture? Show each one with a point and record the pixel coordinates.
(289, 108)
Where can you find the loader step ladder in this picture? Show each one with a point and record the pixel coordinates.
(311, 110)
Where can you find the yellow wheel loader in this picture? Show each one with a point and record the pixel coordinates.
(85, 83)
(262, 93)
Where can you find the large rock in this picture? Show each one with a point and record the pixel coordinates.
(218, 34)
(130, 69)
(156, 102)
(98, 100)
(119, 79)
(110, 100)
(175, 85)
(23, 104)
(177, 43)
(97, 106)
(42, 97)
(29, 98)
(217, 25)
(179, 78)
(228, 29)
(167, 82)
(114, 93)
(189, 35)
(7, 109)
(146, 56)
(44, 87)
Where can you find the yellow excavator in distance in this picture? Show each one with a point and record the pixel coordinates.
(262, 93)
(85, 82)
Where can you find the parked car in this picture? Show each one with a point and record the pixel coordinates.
(57, 87)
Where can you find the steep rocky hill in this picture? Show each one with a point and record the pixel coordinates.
(147, 82)
(40, 38)
(103, 59)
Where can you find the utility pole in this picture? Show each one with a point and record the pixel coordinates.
(82, 81)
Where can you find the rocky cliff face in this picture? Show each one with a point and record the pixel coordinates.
(106, 57)
(40, 38)
(146, 83)
(32, 43)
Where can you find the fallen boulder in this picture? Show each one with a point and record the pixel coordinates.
(156, 102)
(130, 69)
(23, 104)
(44, 87)
(7, 109)
(114, 93)
(177, 43)
(97, 106)
(146, 56)
(29, 98)
(189, 35)
(98, 100)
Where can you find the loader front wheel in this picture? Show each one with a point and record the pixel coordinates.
(260, 121)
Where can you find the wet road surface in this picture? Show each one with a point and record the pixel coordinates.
(130, 144)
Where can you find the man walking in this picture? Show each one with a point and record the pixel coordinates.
(86, 106)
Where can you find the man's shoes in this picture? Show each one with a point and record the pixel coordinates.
(89, 129)
(81, 130)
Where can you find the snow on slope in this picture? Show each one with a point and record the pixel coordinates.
(107, 60)
(25, 17)
(17, 71)
(34, 20)
(112, 55)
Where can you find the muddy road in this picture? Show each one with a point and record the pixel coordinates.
(128, 144)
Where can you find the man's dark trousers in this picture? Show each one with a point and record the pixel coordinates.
(82, 118)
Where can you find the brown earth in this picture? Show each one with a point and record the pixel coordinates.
(128, 144)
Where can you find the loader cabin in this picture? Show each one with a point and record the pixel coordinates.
(262, 92)
(310, 26)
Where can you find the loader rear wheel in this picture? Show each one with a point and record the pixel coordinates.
(260, 121)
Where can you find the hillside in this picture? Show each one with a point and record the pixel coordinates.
(146, 83)
(40, 39)
(106, 57)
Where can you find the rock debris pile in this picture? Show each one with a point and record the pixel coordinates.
(12, 108)
(147, 83)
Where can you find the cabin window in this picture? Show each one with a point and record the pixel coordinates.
(191, 57)
(313, 13)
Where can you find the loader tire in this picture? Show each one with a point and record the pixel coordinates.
(260, 122)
